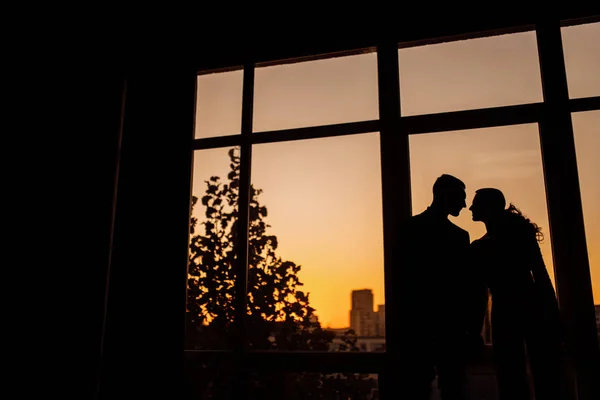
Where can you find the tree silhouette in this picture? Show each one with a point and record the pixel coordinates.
(279, 316)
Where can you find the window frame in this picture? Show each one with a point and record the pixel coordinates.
(553, 116)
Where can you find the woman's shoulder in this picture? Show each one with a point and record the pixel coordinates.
(481, 248)
(481, 241)
(482, 245)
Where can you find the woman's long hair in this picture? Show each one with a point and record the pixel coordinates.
(512, 218)
(516, 219)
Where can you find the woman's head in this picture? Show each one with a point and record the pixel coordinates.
(488, 204)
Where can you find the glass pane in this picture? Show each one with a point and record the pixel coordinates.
(210, 286)
(581, 45)
(311, 93)
(586, 127)
(316, 236)
(314, 385)
(507, 158)
(469, 74)
(219, 104)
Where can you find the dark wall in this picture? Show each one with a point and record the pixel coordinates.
(144, 325)
(276, 39)
(72, 132)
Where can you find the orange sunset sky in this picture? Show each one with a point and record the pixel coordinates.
(324, 195)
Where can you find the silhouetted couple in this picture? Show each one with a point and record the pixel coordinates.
(441, 291)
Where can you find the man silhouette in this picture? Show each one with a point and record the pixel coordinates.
(431, 293)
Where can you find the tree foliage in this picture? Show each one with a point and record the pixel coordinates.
(279, 315)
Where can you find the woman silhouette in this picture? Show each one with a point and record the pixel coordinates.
(525, 314)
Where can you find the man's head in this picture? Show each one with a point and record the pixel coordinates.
(449, 194)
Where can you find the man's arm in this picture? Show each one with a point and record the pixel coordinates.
(476, 291)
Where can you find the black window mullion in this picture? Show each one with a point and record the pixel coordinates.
(571, 262)
(216, 142)
(241, 266)
(395, 173)
(472, 119)
(585, 104)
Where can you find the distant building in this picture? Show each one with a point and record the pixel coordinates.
(380, 319)
(362, 299)
(363, 320)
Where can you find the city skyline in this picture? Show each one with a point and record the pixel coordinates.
(364, 320)
(324, 195)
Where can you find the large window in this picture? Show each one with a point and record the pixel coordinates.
(297, 168)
